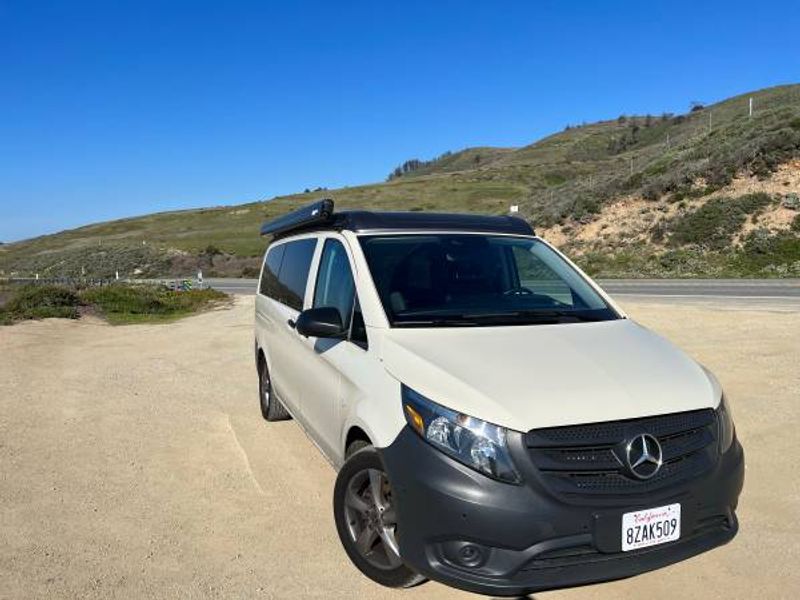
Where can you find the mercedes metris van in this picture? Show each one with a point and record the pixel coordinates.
(497, 422)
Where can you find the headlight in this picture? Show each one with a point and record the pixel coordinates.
(475, 443)
(726, 428)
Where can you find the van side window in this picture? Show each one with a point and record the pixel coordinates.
(269, 285)
(294, 270)
(335, 286)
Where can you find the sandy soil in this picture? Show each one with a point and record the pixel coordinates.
(134, 463)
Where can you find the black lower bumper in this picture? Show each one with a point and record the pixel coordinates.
(472, 532)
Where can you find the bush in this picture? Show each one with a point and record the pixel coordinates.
(122, 303)
(796, 223)
(764, 253)
(251, 272)
(41, 302)
(658, 231)
(119, 303)
(712, 225)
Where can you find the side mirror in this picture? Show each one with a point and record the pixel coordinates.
(322, 322)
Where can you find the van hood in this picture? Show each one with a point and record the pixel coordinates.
(527, 377)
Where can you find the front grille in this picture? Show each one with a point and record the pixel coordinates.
(590, 459)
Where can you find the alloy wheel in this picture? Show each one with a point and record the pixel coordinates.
(371, 518)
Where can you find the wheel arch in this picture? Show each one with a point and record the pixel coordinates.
(355, 433)
(261, 354)
(260, 357)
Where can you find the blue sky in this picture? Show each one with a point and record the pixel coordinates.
(110, 109)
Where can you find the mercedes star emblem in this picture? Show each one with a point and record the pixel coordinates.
(644, 456)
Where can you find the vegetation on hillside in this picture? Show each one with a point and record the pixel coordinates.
(471, 158)
(564, 180)
(763, 254)
(117, 303)
(714, 224)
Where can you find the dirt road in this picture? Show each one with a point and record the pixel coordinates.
(134, 463)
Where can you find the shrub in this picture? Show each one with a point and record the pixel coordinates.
(122, 303)
(796, 223)
(41, 302)
(659, 231)
(763, 250)
(713, 224)
(554, 178)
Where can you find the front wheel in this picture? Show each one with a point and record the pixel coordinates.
(366, 520)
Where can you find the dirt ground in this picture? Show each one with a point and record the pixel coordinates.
(134, 463)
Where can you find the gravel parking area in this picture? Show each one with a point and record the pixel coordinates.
(134, 463)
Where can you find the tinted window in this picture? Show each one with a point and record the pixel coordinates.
(470, 280)
(335, 286)
(294, 272)
(269, 285)
(541, 279)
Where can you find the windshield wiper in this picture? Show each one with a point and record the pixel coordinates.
(476, 319)
(456, 321)
(558, 314)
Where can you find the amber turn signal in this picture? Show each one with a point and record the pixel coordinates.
(416, 420)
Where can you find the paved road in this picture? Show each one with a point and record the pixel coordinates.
(714, 288)
(234, 286)
(746, 290)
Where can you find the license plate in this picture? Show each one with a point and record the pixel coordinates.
(651, 527)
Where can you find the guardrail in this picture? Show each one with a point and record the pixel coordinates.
(177, 284)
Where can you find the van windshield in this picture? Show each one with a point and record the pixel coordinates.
(451, 280)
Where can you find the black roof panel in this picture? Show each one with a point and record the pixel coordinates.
(320, 216)
(369, 221)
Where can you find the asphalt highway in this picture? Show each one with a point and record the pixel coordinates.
(745, 292)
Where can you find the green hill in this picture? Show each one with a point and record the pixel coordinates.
(566, 184)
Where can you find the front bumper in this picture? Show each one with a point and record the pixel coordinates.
(529, 540)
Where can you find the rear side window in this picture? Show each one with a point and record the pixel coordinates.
(269, 285)
(294, 270)
(335, 286)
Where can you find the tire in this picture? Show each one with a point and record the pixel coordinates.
(271, 407)
(355, 446)
(365, 519)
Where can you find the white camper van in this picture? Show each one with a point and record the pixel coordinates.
(497, 422)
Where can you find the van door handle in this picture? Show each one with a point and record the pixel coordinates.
(291, 324)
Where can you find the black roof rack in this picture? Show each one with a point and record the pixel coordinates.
(302, 218)
(320, 216)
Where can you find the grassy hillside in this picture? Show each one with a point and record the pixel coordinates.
(565, 184)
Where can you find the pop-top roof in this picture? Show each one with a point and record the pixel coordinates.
(320, 216)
